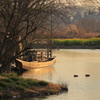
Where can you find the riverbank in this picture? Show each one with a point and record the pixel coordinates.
(77, 47)
(76, 43)
(14, 86)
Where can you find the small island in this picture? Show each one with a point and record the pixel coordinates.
(13, 86)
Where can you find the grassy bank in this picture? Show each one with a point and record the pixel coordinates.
(77, 42)
(13, 86)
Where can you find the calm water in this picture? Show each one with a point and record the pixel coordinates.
(69, 63)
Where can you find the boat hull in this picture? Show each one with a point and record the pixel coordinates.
(35, 64)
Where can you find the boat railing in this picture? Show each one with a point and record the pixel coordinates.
(36, 55)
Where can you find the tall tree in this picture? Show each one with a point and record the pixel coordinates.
(18, 19)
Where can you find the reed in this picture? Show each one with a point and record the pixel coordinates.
(62, 82)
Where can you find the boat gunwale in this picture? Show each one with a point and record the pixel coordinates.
(51, 59)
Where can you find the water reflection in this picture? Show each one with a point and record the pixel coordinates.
(28, 98)
(41, 73)
(79, 62)
(72, 62)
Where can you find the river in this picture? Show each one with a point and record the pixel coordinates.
(71, 62)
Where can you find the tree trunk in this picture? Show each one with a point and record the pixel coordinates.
(6, 68)
(6, 64)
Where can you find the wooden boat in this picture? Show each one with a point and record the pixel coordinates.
(35, 64)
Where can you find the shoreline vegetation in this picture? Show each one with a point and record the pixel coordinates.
(77, 47)
(76, 43)
(12, 86)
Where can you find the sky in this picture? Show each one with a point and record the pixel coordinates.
(82, 2)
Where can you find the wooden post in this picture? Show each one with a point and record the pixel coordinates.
(41, 55)
(50, 53)
(36, 55)
(47, 53)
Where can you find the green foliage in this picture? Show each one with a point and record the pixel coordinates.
(6, 80)
(23, 82)
(20, 87)
(32, 82)
(9, 75)
(15, 79)
(42, 83)
(5, 75)
(3, 84)
(12, 81)
(36, 83)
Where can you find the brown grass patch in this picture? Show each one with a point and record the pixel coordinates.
(1, 77)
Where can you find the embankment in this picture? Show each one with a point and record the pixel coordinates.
(77, 47)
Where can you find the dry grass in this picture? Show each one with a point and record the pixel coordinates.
(1, 77)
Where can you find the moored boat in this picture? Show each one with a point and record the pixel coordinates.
(35, 64)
